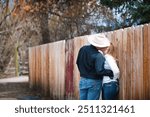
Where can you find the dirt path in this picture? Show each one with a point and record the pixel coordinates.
(17, 89)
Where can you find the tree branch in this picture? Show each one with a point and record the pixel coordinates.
(3, 32)
(6, 16)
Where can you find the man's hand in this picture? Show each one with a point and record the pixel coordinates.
(110, 73)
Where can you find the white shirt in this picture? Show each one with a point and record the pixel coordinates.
(110, 63)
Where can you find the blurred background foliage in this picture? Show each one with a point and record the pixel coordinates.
(34, 22)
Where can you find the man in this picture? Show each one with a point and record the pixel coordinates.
(90, 62)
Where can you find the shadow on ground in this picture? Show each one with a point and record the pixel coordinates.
(18, 89)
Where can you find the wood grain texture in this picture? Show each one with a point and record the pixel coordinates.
(53, 68)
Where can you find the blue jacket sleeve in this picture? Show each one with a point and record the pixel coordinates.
(99, 66)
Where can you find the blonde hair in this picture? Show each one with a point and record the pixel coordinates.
(110, 49)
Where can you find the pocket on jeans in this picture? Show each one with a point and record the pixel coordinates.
(82, 84)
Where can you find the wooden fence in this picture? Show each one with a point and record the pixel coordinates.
(53, 69)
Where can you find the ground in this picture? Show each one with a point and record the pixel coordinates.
(17, 89)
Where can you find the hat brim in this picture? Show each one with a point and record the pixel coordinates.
(106, 44)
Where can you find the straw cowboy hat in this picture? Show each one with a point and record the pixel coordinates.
(99, 40)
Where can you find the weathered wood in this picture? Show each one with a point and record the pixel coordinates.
(45, 69)
(53, 66)
(118, 54)
(146, 61)
(138, 64)
(38, 68)
(32, 63)
(69, 88)
(57, 70)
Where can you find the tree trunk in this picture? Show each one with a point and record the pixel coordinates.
(32, 30)
(44, 28)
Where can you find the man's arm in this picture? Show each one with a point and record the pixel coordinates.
(99, 65)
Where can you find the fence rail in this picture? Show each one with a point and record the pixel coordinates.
(52, 67)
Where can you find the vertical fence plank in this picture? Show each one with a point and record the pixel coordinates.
(45, 69)
(69, 89)
(32, 62)
(57, 69)
(118, 54)
(138, 63)
(123, 68)
(149, 60)
(42, 69)
(146, 61)
(51, 71)
(38, 67)
(61, 69)
(133, 65)
(129, 62)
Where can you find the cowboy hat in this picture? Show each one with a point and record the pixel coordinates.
(99, 40)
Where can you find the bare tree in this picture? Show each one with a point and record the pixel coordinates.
(34, 22)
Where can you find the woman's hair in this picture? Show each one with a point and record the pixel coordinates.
(111, 49)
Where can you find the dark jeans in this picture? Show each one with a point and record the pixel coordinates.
(110, 90)
(90, 89)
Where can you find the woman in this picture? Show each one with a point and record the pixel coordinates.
(110, 87)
